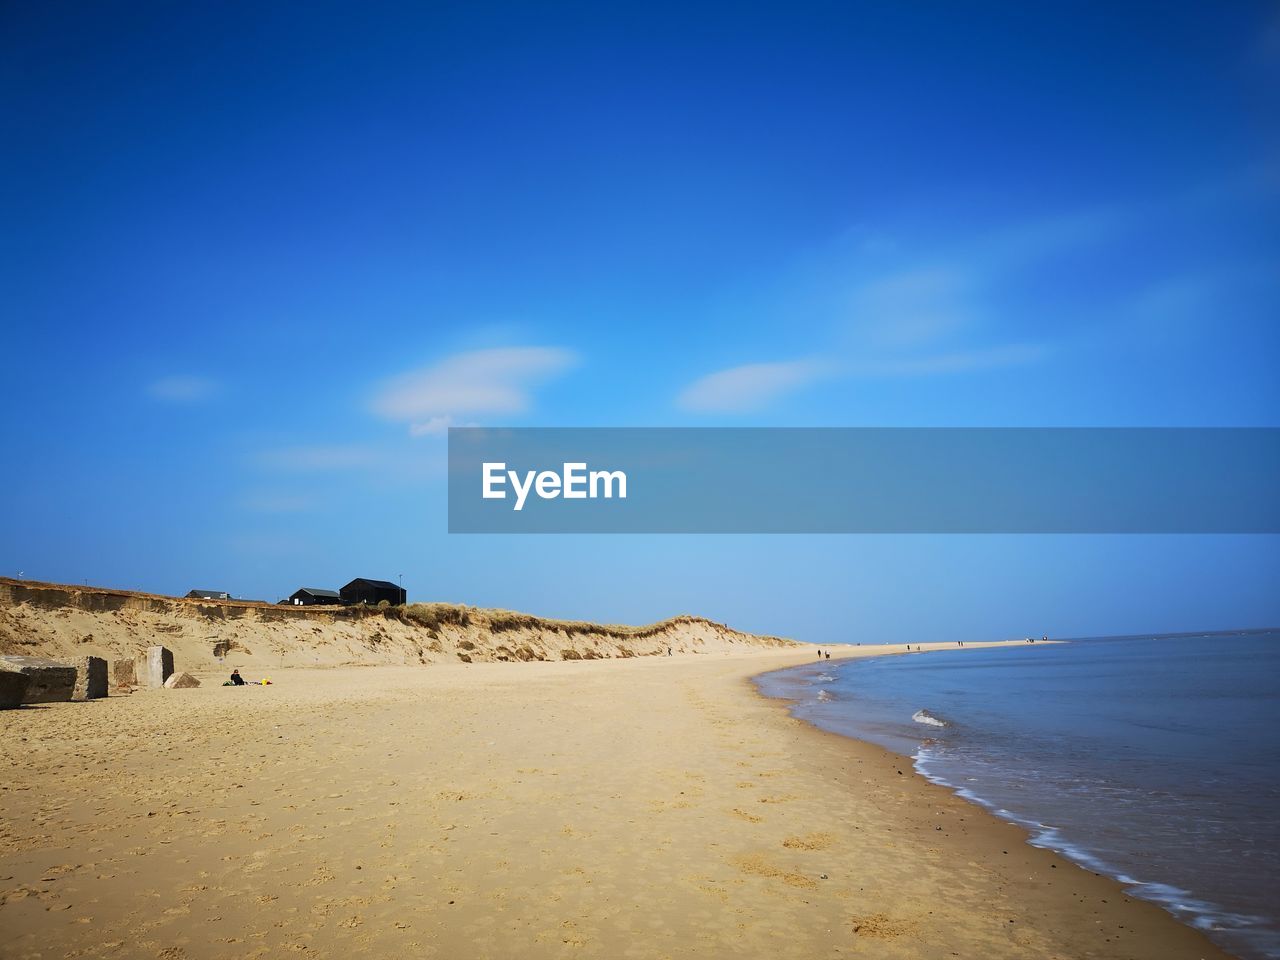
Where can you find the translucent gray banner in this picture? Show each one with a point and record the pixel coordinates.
(862, 480)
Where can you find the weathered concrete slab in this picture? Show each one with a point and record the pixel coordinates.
(13, 687)
(159, 665)
(51, 682)
(181, 681)
(91, 679)
(124, 674)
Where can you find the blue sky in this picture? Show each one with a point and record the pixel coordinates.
(255, 263)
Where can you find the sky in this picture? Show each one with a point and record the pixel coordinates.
(256, 259)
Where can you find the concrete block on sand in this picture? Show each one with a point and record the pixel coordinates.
(51, 682)
(159, 666)
(180, 681)
(13, 687)
(124, 674)
(91, 679)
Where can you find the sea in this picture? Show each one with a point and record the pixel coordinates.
(1154, 759)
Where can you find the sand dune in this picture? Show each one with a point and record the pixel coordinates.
(62, 622)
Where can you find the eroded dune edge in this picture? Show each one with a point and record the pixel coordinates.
(62, 621)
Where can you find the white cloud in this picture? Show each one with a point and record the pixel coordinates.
(498, 381)
(183, 388)
(749, 387)
(899, 315)
(877, 306)
(753, 386)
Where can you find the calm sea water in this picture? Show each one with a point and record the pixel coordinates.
(1153, 759)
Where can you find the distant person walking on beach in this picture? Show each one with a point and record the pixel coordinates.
(819, 653)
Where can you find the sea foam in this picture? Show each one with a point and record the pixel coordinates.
(924, 716)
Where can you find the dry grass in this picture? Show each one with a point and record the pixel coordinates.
(435, 615)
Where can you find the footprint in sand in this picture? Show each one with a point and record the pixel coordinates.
(812, 841)
(758, 866)
(881, 927)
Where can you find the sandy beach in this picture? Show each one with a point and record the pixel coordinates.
(653, 807)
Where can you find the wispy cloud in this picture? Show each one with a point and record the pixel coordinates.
(914, 306)
(754, 386)
(893, 308)
(497, 381)
(750, 387)
(183, 388)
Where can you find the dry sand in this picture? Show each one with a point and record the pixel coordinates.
(651, 807)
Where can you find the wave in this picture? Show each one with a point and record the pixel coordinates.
(1199, 913)
(924, 716)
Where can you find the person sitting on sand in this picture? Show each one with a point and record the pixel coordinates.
(237, 680)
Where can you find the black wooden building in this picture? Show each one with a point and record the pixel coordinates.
(314, 596)
(361, 590)
(208, 595)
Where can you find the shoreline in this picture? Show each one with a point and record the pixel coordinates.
(645, 807)
(983, 807)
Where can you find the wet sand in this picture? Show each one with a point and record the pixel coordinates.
(652, 807)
